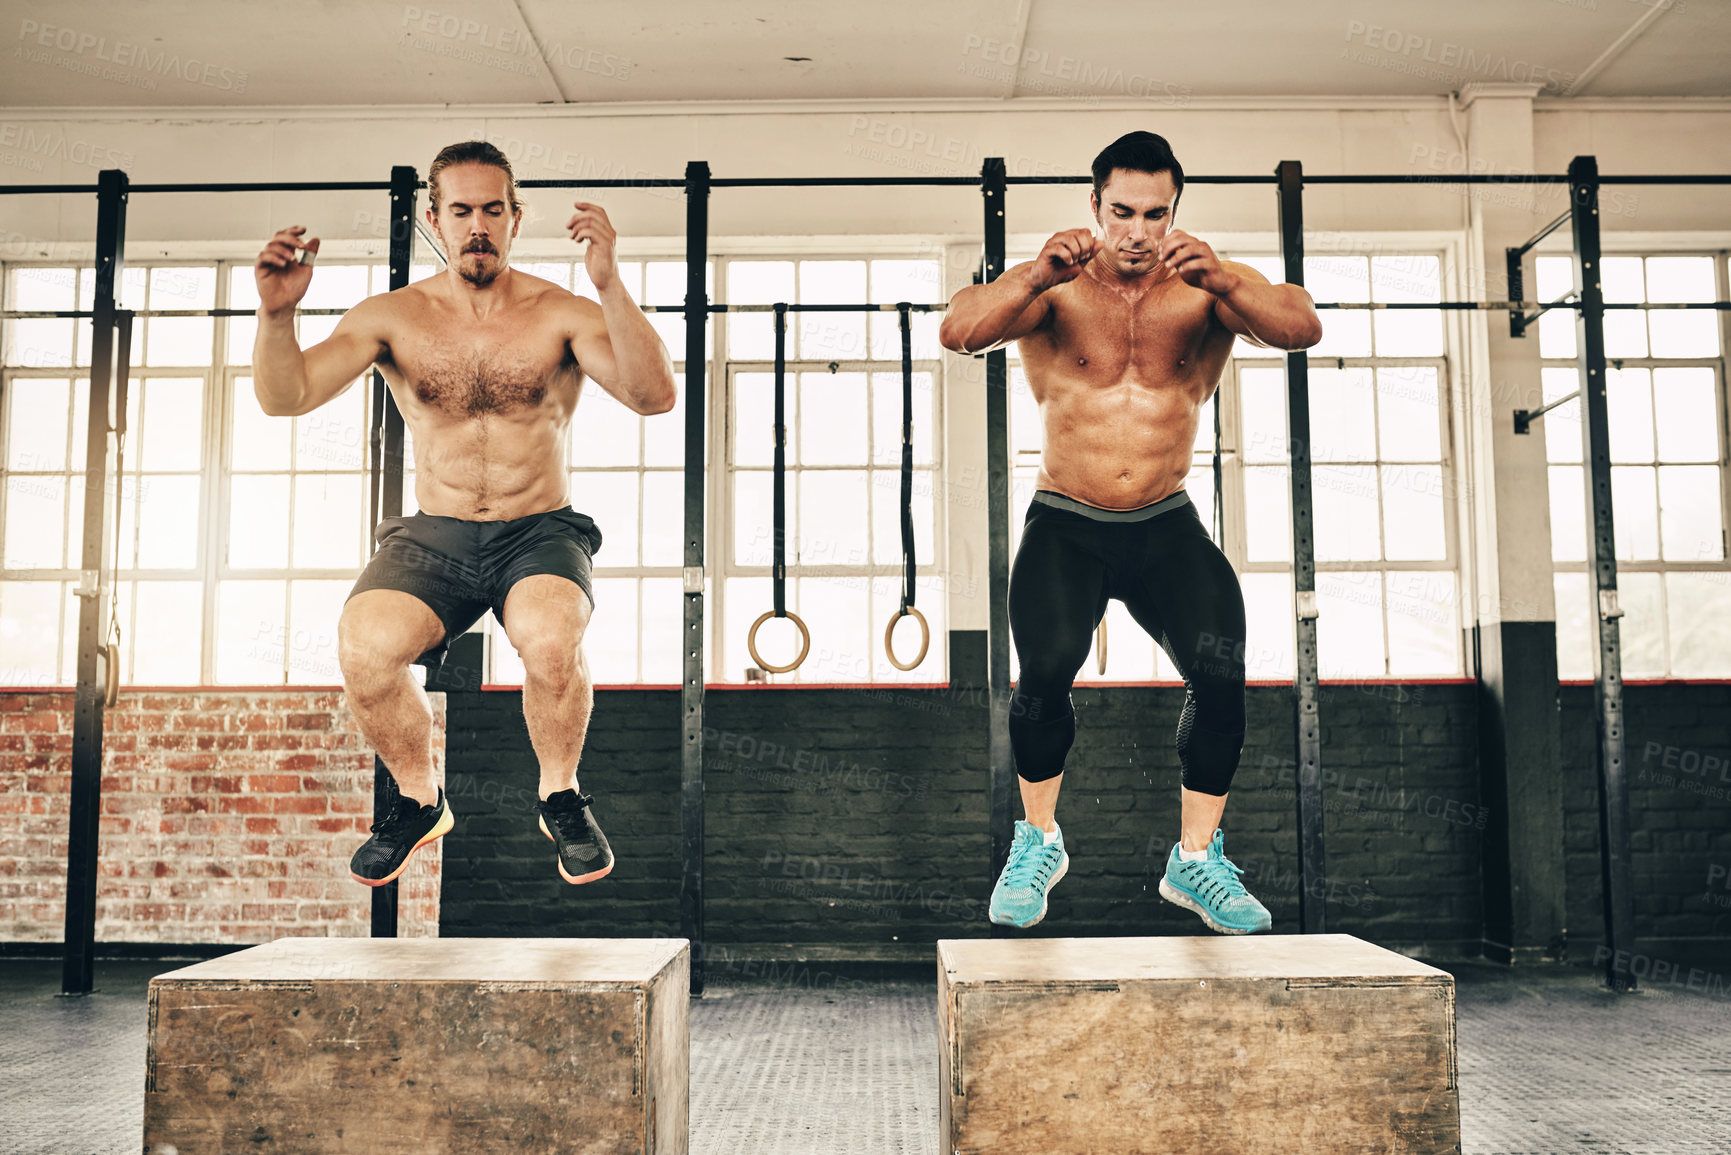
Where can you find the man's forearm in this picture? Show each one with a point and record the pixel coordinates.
(1281, 316)
(638, 354)
(279, 369)
(980, 315)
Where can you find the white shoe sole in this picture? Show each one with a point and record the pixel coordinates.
(1178, 898)
(1063, 866)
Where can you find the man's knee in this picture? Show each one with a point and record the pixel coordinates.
(372, 646)
(552, 659)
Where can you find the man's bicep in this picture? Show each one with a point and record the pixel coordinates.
(590, 344)
(353, 346)
(1227, 315)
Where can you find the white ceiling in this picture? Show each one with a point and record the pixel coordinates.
(239, 53)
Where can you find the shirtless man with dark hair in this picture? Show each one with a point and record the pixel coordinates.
(1124, 331)
(486, 364)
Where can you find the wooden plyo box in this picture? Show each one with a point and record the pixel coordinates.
(307, 1046)
(1283, 1044)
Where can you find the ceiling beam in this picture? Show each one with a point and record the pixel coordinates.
(1619, 46)
(549, 83)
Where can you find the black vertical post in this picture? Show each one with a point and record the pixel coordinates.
(1616, 873)
(691, 686)
(1308, 760)
(1003, 780)
(388, 486)
(78, 970)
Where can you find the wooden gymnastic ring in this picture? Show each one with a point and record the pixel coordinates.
(925, 638)
(1100, 647)
(804, 642)
(111, 691)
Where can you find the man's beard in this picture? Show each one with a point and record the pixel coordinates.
(480, 275)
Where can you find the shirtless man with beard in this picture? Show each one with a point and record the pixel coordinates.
(1124, 333)
(486, 364)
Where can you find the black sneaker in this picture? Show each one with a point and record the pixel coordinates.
(584, 854)
(397, 834)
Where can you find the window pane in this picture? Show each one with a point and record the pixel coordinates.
(753, 433)
(664, 433)
(778, 641)
(1643, 625)
(833, 426)
(1268, 621)
(1346, 513)
(1268, 514)
(1412, 512)
(1557, 327)
(258, 525)
(183, 287)
(330, 510)
(1407, 332)
(161, 643)
(610, 643)
(1568, 514)
(663, 519)
(1625, 329)
(1027, 431)
(839, 336)
(1688, 426)
(259, 442)
(833, 518)
(38, 342)
(1635, 512)
(1629, 415)
(1574, 644)
(36, 423)
(837, 610)
(751, 336)
(1423, 633)
(333, 436)
(171, 434)
(752, 517)
(314, 607)
(1700, 609)
(663, 661)
(250, 633)
(611, 500)
(1345, 332)
(242, 287)
(1685, 332)
(36, 512)
(1689, 514)
(1408, 420)
(887, 418)
(929, 600)
(1342, 415)
(44, 288)
(168, 530)
(1262, 411)
(1562, 425)
(1130, 653)
(603, 431)
(176, 341)
(336, 287)
(30, 633)
(1349, 630)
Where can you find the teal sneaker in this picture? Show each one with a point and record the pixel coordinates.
(1211, 889)
(1033, 868)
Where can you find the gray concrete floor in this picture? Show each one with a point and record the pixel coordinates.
(806, 1065)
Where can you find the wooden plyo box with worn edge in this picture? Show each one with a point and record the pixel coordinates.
(314, 1045)
(1261, 1043)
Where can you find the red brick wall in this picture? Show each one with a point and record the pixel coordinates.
(227, 817)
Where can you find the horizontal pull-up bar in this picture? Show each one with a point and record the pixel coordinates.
(47, 189)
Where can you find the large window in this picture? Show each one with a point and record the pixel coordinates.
(843, 409)
(1380, 448)
(1665, 392)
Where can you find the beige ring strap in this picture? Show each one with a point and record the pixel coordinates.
(111, 691)
(890, 632)
(1100, 646)
(804, 642)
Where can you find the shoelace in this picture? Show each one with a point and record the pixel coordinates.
(1031, 862)
(569, 819)
(1225, 880)
(403, 808)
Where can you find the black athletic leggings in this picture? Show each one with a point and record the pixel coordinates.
(1161, 563)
